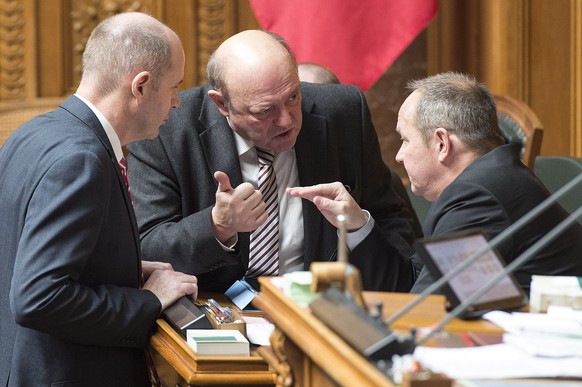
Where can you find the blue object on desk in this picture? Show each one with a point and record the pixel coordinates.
(241, 293)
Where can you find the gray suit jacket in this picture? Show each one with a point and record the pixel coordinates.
(174, 189)
(71, 311)
(491, 194)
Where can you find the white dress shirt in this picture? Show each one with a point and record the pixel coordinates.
(290, 208)
(109, 131)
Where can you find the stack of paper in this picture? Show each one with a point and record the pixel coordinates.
(554, 290)
(534, 345)
(540, 334)
(217, 342)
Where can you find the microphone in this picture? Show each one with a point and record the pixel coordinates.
(526, 255)
(508, 232)
(343, 309)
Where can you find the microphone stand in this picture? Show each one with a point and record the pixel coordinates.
(508, 232)
(341, 243)
(530, 252)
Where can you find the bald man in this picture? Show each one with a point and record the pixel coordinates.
(195, 187)
(316, 73)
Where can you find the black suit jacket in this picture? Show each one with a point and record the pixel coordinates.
(71, 311)
(491, 194)
(174, 189)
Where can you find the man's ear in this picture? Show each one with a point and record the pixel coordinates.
(443, 142)
(218, 99)
(139, 83)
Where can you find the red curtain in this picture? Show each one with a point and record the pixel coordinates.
(357, 39)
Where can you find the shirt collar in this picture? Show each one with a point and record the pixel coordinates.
(109, 131)
(242, 145)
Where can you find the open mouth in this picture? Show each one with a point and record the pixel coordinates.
(284, 134)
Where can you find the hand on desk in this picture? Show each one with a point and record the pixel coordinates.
(333, 199)
(168, 285)
(236, 209)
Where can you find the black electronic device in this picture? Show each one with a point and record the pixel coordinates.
(442, 254)
(183, 315)
(367, 334)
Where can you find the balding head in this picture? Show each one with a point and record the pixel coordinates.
(123, 44)
(248, 57)
(316, 73)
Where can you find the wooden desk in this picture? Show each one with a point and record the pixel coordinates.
(305, 352)
(178, 365)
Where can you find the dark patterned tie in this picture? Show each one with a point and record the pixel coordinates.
(123, 167)
(264, 241)
(153, 374)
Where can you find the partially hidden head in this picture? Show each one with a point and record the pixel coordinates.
(316, 73)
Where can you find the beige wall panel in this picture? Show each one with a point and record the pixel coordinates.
(52, 53)
(528, 49)
(503, 46)
(550, 76)
(576, 71)
(179, 15)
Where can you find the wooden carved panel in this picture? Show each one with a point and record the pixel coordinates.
(211, 31)
(12, 50)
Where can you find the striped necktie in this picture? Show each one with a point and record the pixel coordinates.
(264, 241)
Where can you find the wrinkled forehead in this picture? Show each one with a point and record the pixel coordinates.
(267, 85)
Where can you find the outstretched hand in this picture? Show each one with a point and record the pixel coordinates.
(331, 200)
(237, 209)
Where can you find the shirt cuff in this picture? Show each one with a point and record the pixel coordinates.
(229, 247)
(354, 238)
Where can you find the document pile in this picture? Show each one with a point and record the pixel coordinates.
(557, 334)
(549, 290)
(215, 342)
(534, 346)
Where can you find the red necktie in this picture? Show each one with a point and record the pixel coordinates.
(123, 167)
(154, 379)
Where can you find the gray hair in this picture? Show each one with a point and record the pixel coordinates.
(123, 44)
(458, 103)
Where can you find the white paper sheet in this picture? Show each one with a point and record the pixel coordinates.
(495, 362)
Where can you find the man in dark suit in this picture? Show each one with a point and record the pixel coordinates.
(316, 73)
(455, 157)
(195, 187)
(73, 310)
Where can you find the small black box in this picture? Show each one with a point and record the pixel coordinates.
(184, 315)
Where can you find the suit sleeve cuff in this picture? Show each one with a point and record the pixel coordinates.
(354, 238)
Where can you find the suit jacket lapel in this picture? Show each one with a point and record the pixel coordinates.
(221, 154)
(311, 144)
(218, 143)
(78, 108)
